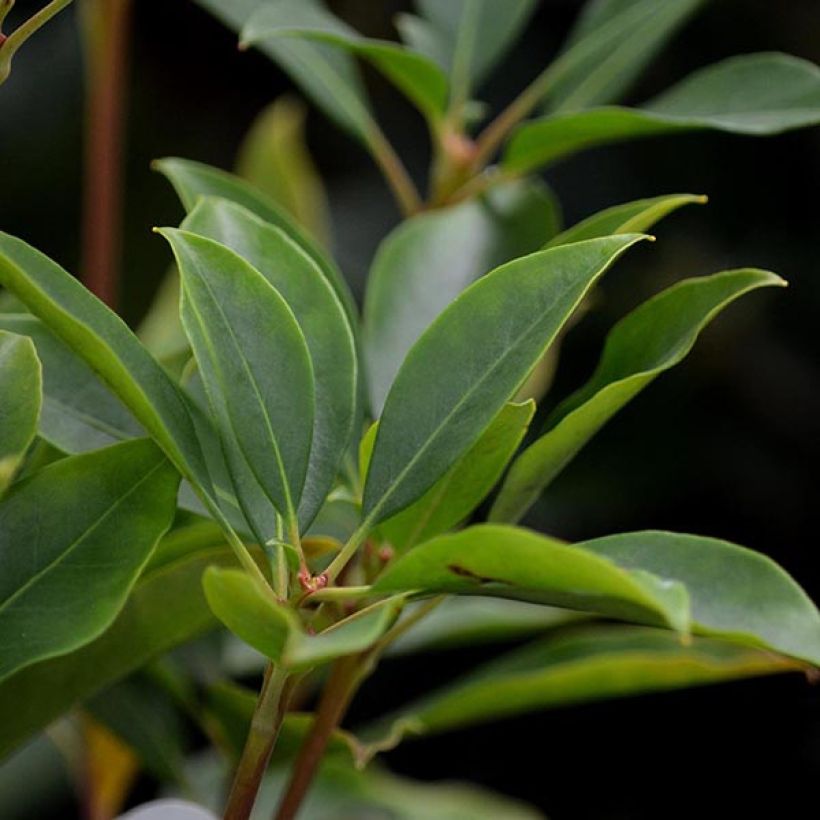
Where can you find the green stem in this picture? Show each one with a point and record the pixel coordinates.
(345, 678)
(9, 45)
(347, 552)
(339, 593)
(264, 729)
(394, 172)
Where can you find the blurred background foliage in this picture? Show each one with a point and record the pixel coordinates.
(743, 410)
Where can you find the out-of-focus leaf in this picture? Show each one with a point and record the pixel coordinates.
(165, 608)
(735, 593)
(191, 180)
(425, 263)
(21, 392)
(464, 486)
(58, 530)
(470, 621)
(275, 158)
(593, 663)
(509, 562)
(321, 319)
(416, 75)
(631, 217)
(79, 412)
(609, 47)
(465, 37)
(328, 76)
(470, 362)
(756, 94)
(110, 769)
(161, 330)
(275, 631)
(103, 340)
(651, 339)
(254, 363)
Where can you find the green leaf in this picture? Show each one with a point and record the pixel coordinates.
(609, 47)
(631, 217)
(417, 76)
(103, 340)
(322, 320)
(466, 37)
(79, 412)
(470, 362)
(428, 260)
(326, 75)
(756, 94)
(79, 530)
(274, 630)
(464, 486)
(735, 593)
(274, 157)
(191, 180)
(510, 562)
(21, 390)
(165, 608)
(650, 340)
(590, 664)
(254, 363)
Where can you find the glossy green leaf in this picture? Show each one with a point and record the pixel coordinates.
(428, 260)
(510, 562)
(590, 664)
(466, 37)
(21, 389)
(416, 75)
(735, 593)
(274, 157)
(650, 340)
(631, 217)
(465, 485)
(328, 76)
(79, 412)
(254, 361)
(756, 94)
(322, 320)
(470, 362)
(103, 340)
(609, 47)
(165, 608)
(79, 530)
(275, 631)
(191, 180)
(465, 620)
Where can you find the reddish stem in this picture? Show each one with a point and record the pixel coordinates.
(102, 197)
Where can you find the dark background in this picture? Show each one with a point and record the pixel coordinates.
(725, 445)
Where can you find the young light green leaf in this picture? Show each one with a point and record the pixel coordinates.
(322, 320)
(79, 412)
(274, 630)
(21, 390)
(191, 180)
(464, 486)
(326, 75)
(466, 37)
(416, 75)
(756, 94)
(166, 608)
(429, 259)
(274, 157)
(79, 530)
(631, 217)
(650, 340)
(254, 361)
(510, 562)
(609, 47)
(592, 664)
(735, 593)
(103, 340)
(470, 362)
